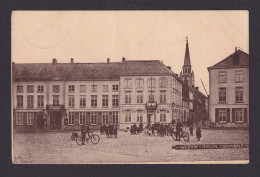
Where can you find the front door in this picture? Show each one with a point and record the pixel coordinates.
(55, 120)
(151, 117)
(40, 121)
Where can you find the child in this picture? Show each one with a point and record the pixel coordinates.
(149, 131)
(191, 130)
(198, 134)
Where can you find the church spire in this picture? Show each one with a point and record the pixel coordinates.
(187, 54)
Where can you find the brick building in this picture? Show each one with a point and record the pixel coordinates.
(229, 91)
(64, 96)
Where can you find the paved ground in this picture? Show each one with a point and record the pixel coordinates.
(57, 147)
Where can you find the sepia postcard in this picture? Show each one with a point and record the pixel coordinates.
(130, 87)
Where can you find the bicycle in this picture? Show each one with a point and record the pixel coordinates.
(183, 134)
(94, 138)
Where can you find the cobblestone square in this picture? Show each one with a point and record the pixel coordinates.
(57, 147)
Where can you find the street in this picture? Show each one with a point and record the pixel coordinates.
(57, 147)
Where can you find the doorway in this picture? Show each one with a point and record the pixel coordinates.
(151, 117)
(55, 120)
(40, 122)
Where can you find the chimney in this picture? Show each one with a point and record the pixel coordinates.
(72, 60)
(108, 60)
(169, 67)
(235, 49)
(54, 61)
(123, 59)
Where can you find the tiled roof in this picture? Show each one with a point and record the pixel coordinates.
(88, 71)
(237, 59)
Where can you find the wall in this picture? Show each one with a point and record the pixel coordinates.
(230, 89)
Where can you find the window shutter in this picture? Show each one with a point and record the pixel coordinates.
(25, 118)
(87, 118)
(233, 115)
(99, 121)
(245, 115)
(228, 115)
(76, 118)
(216, 115)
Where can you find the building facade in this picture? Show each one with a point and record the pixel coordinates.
(229, 91)
(64, 96)
(194, 109)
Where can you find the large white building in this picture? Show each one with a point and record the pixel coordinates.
(64, 96)
(229, 91)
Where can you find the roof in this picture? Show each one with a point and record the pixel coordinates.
(236, 59)
(88, 71)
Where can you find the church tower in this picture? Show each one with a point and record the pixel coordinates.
(187, 74)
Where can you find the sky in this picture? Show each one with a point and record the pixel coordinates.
(94, 36)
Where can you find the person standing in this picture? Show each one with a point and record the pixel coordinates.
(115, 131)
(88, 131)
(198, 134)
(83, 134)
(191, 129)
(178, 130)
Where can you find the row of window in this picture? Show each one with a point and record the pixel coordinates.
(56, 88)
(83, 88)
(128, 82)
(128, 97)
(93, 118)
(238, 94)
(30, 100)
(29, 118)
(151, 82)
(139, 116)
(82, 101)
(40, 101)
(239, 76)
(239, 115)
(30, 89)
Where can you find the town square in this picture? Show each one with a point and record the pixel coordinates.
(57, 147)
(130, 87)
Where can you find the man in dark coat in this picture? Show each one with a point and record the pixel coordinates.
(135, 128)
(178, 130)
(83, 134)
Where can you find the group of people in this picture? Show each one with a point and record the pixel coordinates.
(135, 130)
(109, 130)
(160, 129)
(168, 129)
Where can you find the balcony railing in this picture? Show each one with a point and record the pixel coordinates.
(151, 105)
(55, 107)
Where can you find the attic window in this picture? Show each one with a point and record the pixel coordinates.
(55, 88)
(93, 88)
(71, 88)
(30, 89)
(19, 89)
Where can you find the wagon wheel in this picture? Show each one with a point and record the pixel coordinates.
(185, 136)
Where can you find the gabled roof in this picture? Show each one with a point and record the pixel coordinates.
(236, 59)
(88, 71)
